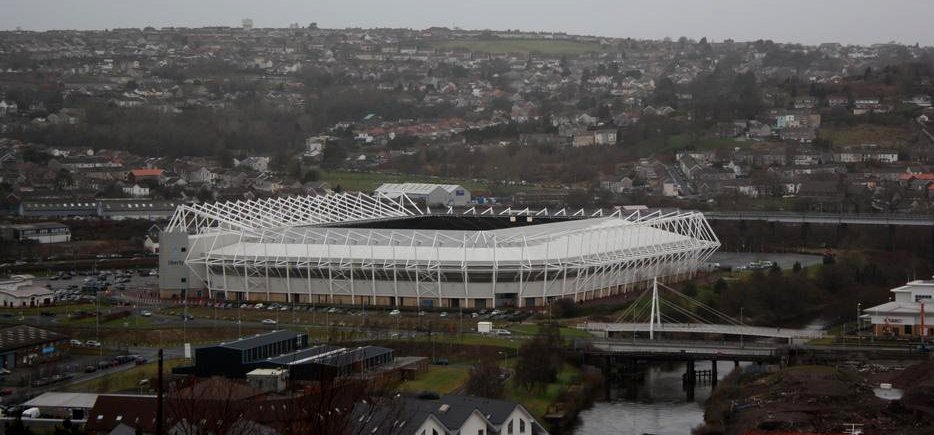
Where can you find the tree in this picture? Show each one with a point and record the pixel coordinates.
(63, 179)
(485, 380)
(796, 267)
(16, 427)
(563, 308)
(68, 428)
(333, 156)
(540, 359)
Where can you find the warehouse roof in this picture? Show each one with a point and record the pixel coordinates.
(19, 336)
(391, 189)
(303, 355)
(261, 340)
(63, 400)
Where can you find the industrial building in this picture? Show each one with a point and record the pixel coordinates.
(40, 232)
(902, 316)
(19, 291)
(429, 194)
(25, 346)
(236, 358)
(354, 249)
(284, 350)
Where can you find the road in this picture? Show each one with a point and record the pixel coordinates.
(785, 261)
(822, 218)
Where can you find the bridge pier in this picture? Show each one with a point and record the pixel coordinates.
(890, 246)
(690, 377)
(713, 374)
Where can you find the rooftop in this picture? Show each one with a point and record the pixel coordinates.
(54, 399)
(19, 336)
(261, 340)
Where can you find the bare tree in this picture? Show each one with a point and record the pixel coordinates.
(486, 379)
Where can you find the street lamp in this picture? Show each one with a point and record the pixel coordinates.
(859, 338)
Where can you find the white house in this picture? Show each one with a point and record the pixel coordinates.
(431, 194)
(455, 414)
(902, 315)
(136, 191)
(259, 164)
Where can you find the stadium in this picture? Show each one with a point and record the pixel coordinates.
(352, 249)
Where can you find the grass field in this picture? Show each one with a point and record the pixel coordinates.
(565, 332)
(524, 46)
(369, 181)
(440, 379)
(679, 142)
(867, 134)
(126, 380)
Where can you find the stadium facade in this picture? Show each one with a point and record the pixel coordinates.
(375, 250)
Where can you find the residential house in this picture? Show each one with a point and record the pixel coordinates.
(136, 191)
(257, 163)
(805, 102)
(448, 414)
(621, 186)
(689, 166)
(8, 108)
(865, 153)
(146, 175)
(799, 134)
(838, 101)
(864, 105)
(919, 100)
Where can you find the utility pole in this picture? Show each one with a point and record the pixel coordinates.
(159, 411)
(741, 331)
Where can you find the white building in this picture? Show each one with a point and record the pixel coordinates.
(40, 232)
(902, 315)
(19, 291)
(430, 194)
(351, 249)
(136, 191)
(452, 414)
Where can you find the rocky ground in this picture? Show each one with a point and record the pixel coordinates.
(823, 399)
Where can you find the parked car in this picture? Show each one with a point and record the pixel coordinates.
(74, 342)
(146, 313)
(92, 343)
(269, 322)
(90, 369)
(395, 313)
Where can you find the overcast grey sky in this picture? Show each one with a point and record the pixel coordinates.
(806, 21)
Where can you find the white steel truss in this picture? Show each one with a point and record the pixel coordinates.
(291, 245)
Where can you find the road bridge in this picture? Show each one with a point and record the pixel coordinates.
(684, 350)
(822, 218)
(609, 330)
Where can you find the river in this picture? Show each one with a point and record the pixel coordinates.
(656, 404)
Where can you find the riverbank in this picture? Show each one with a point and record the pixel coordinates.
(821, 399)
